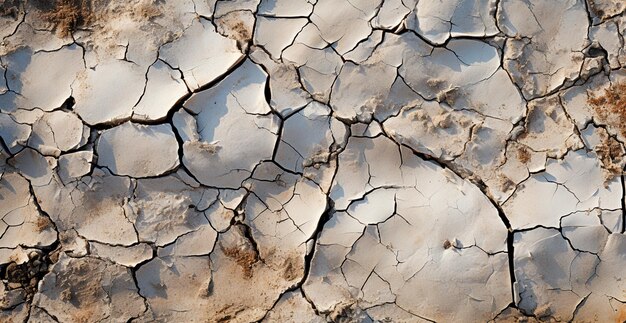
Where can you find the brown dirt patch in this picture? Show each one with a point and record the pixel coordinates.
(621, 315)
(610, 152)
(523, 155)
(611, 107)
(42, 224)
(10, 8)
(148, 11)
(237, 26)
(345, 312)
(80, 286)
(228, 313)
(211, 148)
(240, 31)
(244, 257)
(292, 269)
(83, 315)
(505, 183)
(66, 16)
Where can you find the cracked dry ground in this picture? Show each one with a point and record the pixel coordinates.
(312, 160)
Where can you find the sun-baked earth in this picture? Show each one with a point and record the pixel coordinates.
(312, 161)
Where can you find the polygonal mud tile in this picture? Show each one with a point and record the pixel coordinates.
(308, 137)
(13, 134)
(283, 215)
(164, 87)
(89, 289)
(209, 288)
(165, 208)
(56, 132)
(344, 24)
(440, 21)
(603, 9)
(576, 183)
(558, 282)
(212, 56)
(293, 307)
(392, 13)
(40, 79)
(608, 37)
(237, 25)
(275, 34)
(74, 165)
(317, 67)
(36, 168)
(434, 120)
(235, 127)
(96, 207)
(108, 93)
(537, 63)
(152, 152)
(585, 232)
(361, 88)
(549, 129)
(22, 223)
(287, 94)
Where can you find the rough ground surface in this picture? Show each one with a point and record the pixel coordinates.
(312, 160)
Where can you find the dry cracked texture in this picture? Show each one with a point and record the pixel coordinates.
(312, 161)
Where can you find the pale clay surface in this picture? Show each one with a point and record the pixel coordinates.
(312, 161)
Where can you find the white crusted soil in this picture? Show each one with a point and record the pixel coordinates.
(312, 161)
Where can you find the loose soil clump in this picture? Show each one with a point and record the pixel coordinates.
(28, 274)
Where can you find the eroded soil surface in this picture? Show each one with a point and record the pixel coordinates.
(312, 161)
